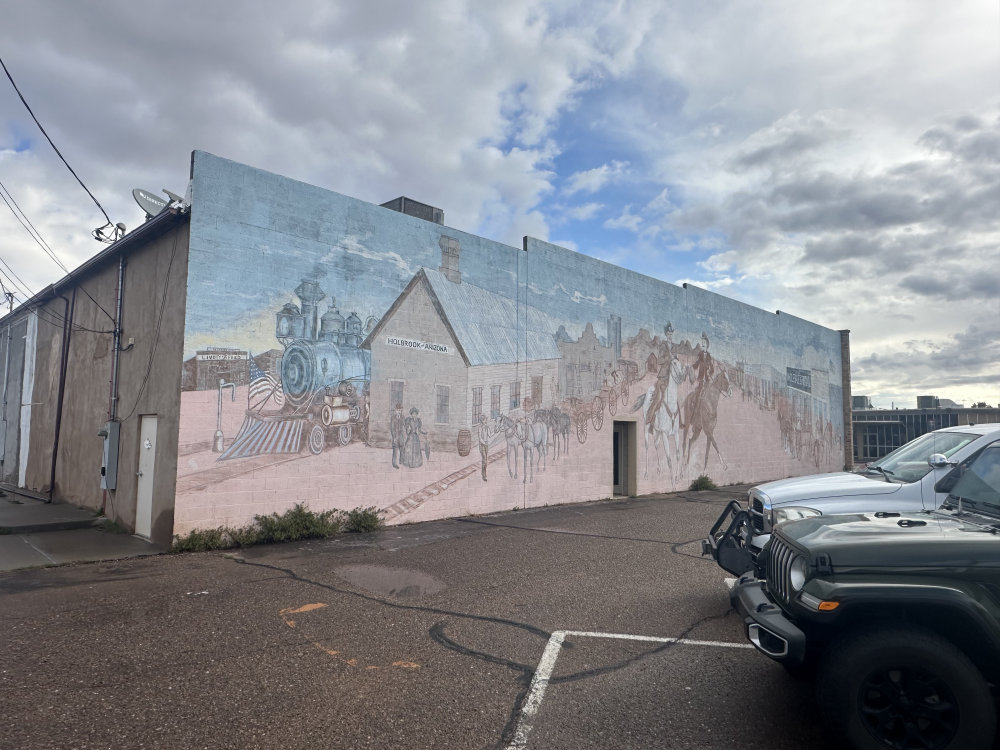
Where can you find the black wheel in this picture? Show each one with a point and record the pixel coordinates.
(902, 688)
(317, 440)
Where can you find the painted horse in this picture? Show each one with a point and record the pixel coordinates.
(701, 412)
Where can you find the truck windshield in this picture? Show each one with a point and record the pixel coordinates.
(909, 462)
(979, 485)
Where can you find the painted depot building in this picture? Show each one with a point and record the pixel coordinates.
(265, 343)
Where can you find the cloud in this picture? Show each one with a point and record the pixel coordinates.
(849, 175)
(584, 211)
(626, 220)
(594, 179)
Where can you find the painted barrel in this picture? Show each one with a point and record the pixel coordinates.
(464, 442)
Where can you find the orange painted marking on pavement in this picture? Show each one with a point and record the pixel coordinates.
(305, 608)
(329, 651)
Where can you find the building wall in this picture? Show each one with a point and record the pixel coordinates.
(270, 257)
(149, 382)
(13, 336)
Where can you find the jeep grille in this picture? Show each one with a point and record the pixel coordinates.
(779, 565)
(757, 516)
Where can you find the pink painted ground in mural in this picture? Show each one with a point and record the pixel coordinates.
(213, 493)
(755, 444)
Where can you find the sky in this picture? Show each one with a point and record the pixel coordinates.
(835, 161)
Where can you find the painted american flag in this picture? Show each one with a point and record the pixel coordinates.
(263, 388)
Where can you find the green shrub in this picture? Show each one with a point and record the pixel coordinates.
(202, 540)
(703, 483)
(244, 536)
(297, 523)
(363, 520)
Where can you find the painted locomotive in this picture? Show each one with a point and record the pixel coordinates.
(324, 371)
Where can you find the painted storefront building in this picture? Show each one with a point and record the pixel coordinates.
(395, 362)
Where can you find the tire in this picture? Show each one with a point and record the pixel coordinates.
(344, 434)
(895, 686)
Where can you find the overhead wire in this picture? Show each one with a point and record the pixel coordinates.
(58, 153)
(29, 227)
(35, 234)
(156, 332)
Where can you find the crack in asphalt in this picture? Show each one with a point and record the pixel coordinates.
(524, 673)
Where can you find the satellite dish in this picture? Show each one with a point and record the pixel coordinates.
(149, 202)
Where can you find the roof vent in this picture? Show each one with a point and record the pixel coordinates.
(411, 207)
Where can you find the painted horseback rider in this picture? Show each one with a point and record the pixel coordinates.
(704, 371)
(670, 374)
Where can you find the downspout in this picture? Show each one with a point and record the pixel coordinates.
(6, 374)
(117, 345)
(69, 310)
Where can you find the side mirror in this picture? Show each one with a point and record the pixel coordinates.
(939, 461)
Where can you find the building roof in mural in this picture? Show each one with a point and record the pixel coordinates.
(489, 328)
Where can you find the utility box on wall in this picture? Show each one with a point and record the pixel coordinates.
(109, 458)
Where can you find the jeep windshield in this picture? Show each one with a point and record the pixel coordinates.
(978, 487)
(909, 463)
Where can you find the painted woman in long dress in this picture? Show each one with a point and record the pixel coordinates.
(412, 456)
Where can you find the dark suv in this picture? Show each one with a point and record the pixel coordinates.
(897, 615)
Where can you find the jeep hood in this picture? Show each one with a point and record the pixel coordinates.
(839, 484)
(909, 540)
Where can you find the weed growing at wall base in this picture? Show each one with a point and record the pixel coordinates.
(703, 483)
(292, 525)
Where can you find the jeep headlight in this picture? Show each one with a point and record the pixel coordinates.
(797, 573)
(780, 515)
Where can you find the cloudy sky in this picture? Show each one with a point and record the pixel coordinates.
(839, 161)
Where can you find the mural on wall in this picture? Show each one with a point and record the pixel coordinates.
(471, 375)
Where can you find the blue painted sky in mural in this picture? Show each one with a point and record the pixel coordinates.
(844, 175)
(363, 256)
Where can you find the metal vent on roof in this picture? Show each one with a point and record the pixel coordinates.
(415, 208)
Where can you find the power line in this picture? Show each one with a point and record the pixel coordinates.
(58, 153)
(28, 226)
(37, 237)
(16, 281)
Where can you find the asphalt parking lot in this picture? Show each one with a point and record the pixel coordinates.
(586, 626)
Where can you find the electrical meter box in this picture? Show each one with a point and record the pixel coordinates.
(109, 458)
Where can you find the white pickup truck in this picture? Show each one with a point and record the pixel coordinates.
(902, 481)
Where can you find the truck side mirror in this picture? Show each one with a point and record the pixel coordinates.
(939, 461)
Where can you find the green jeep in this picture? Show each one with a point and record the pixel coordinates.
(897, 615)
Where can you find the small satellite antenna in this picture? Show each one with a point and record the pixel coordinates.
(149, 202)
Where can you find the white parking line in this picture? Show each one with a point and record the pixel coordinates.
(548, 662)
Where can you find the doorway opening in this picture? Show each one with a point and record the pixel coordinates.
(623, 459)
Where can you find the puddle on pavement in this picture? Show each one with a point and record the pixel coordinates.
(397, 583)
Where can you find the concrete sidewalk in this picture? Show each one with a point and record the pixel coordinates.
(37, 534)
